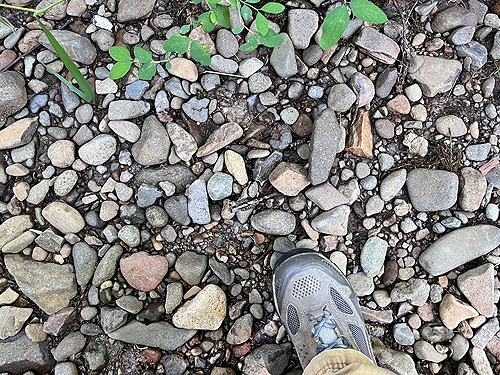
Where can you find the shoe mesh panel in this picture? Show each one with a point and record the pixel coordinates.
(340, 302)
(292, 319)
(305, 286)
(359, 337)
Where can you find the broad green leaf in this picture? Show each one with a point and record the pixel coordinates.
(273, 8)
(212, 17)
(213, 3)
(262, 24)
(206, 23)
(85, 91)
(367, 11)
(237, 30)
(235, 4)
(334, 25)
(252, 1)
(185, 29)
(147, 71)
(200, 53)
(250, 45)
(120, 53)
(144, 56)
(177, 43)
(196, 1)
(119, 69)
(246, 12)
(168, 66)
(222, 16)
(272, 39)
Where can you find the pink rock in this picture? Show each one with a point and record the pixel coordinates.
(143, 271)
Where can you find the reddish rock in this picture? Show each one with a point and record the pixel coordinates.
(385, 128)
(478, 286)
(220, 138)
(6, 57)
(363, 87)
(143, 271)
(399, 105)
(360, 142)
(378, 45)
(473, 187)
(241, 350)
(289, 178)
(58, 322)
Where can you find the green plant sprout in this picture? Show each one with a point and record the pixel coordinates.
(84, 90)
(336, 22)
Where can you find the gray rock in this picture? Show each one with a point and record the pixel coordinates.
(302, 24)
(452, 18)
(275, 222)
(130, 234)
(283, 58)
(177, 174)
(130, 303)
(112, 318)
(403, 334)
(476, 51)
(425, 351)
(174, 86)
(393, 360)
(459, 247)
(129, 10)
(432, 190)
(250, 66)
(241, 330)
(19, 355)
(385, 82)
(221, 270)
(106, 268)
(223, 65)
(312, 55)
(198, 202)
(12, 319)
(173, 296)
(462, 35)
(220, 186)
(332, 222)
(196, 109)
(328, 138)
(51, 286)
(341, 98)
(480, 361)
(177, 209)
(136, 89)
(191, 267)
(71, 344)
(485, 333)
(153, 146)
(13, 227)
(270, 358)
(12, 94)
(378, 45)
(415, 291)
(435, 332)
(392, 184)
(451, 126)
(227, 44)
(174, 364)
(99, 150)
(84, 260)
(79, 48)
(478, 152)
(127, 109)
(435, 75)
(373, 256)
(66, 368)
(259, 82)
(361, 284)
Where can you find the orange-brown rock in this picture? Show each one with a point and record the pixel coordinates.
(360, 141)
(289, 178)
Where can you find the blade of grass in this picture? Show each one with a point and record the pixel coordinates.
(86, 92)
(41, 11)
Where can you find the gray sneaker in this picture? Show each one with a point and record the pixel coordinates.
(317, 306)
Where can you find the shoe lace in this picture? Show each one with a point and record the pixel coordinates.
(325, 332)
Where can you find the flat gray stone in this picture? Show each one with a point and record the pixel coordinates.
(435, 75)
(275, 222)
(333, 222)
(153, 146)
(127, 109)
(129, 10)
(432, 190)
(12, 94)
(373, 256)
(378, 45)
(84, 260)
(79, 48)
(459, 247)
(283, 58)
(198, 202)
(98, 150)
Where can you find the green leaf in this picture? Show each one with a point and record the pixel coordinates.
(168, 66)
(144, 56)
(246, 12)
(206, 23)
(237, 30)
(200, 53)
(272, 39)
(262, 24)
(273, 8)
(177, 43)
(334, 25)
(147, 71)
(6, 22)
(196, 1)
(252, 1)
(235, 4)
(185, 29)
(212, 17)
(85, 92)
(222, 16)
(120, 53)
(213, 3)
(250, 45)
(367, 11)
(120, 69)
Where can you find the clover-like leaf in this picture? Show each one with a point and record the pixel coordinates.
(250, 45)
(185, 29)
(222, 16)
(213, 3)
(273, 8)
(262, 24)
(237, 30)
(177, 43)
(196, 1)
(367, 11)
(120, 54)
(272, 39)
(200, 53)
(168, 65)
(206, 22)
(235, 4)
(147, 71)
(333, 27)
(246, 12)
(144, 56)
(120, 69)
(252, 1)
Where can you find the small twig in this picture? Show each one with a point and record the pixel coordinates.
(222, 74)
(33, 48)
(242, 205)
